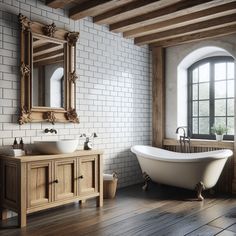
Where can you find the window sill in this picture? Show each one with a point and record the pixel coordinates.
(202, 143)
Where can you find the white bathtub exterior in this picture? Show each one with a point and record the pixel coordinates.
(183, 170)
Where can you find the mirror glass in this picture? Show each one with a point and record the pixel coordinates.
(48, 82)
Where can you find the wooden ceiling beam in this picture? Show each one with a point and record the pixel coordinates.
(58, 3)
(181, 8)
(59, 52)
(93, 7)
(50, 47)
(49, 61)
(179, 21)
(225, 30)
(131, 9)
(191, 28)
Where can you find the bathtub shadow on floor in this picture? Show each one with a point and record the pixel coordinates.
(164, 192)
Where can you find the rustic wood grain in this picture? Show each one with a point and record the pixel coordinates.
(183, 20)
(131, 9)
(194, 37)
(217, 22)
(158, 96)
(160, 211)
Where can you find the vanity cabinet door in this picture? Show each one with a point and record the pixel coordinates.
(65, 179)
(39, 183)
(88, 175)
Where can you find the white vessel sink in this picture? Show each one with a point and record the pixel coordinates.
(56, 147)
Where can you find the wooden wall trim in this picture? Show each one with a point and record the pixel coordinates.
(158, 96)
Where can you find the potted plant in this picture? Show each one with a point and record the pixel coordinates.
(219, 131)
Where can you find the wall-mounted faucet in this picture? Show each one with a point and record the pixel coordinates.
(183, 139)
(50, 131)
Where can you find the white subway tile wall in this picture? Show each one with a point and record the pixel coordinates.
(113, 92)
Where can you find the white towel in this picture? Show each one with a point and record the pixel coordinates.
(12, 152)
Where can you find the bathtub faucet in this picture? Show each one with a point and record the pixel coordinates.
(183, 139)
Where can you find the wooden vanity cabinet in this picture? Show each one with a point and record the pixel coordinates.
(34, 183)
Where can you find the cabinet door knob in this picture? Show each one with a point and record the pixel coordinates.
(56, 181)
(81, 177)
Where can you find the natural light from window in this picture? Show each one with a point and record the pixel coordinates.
(211, 96)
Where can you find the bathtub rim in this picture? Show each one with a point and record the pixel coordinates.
(182, 157)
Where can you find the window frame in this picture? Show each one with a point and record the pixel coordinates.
(211, 61)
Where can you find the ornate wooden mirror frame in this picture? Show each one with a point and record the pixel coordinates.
(28, 112)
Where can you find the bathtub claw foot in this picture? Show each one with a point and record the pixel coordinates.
(200, 187)
(146, 181)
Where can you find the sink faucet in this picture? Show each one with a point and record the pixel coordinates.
(183, 139)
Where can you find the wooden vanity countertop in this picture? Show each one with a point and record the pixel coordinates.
(43, 157)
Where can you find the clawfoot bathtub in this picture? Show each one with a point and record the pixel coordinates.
(197, 171)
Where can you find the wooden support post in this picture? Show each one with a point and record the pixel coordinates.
(158, 96)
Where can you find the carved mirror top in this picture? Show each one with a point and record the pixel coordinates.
(48, 73)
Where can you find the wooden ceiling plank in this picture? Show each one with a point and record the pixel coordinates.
(92, 8)
(58, 3)
(177, 9)
(194, 17)
(213, 23)
(230, 29)
(131, 9)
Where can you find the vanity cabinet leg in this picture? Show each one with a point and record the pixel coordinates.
(22, 197)
(82, 202)
(99, 201)
(3, 214)
(22, 218)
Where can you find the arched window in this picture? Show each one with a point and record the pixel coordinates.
(211, 96)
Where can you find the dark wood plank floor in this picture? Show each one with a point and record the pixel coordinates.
(160, 211)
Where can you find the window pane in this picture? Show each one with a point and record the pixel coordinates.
(230, 70)
(220, 71)
(220, 107)
(204, 73)
(230, 125)
(220, 89)
(204, 125)
(204, 91)
(195, 75)
(230, 88)
(230, 107)
(195, 92)
(203, 108)
(195, 126)
(195, 108)
(220, 121)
